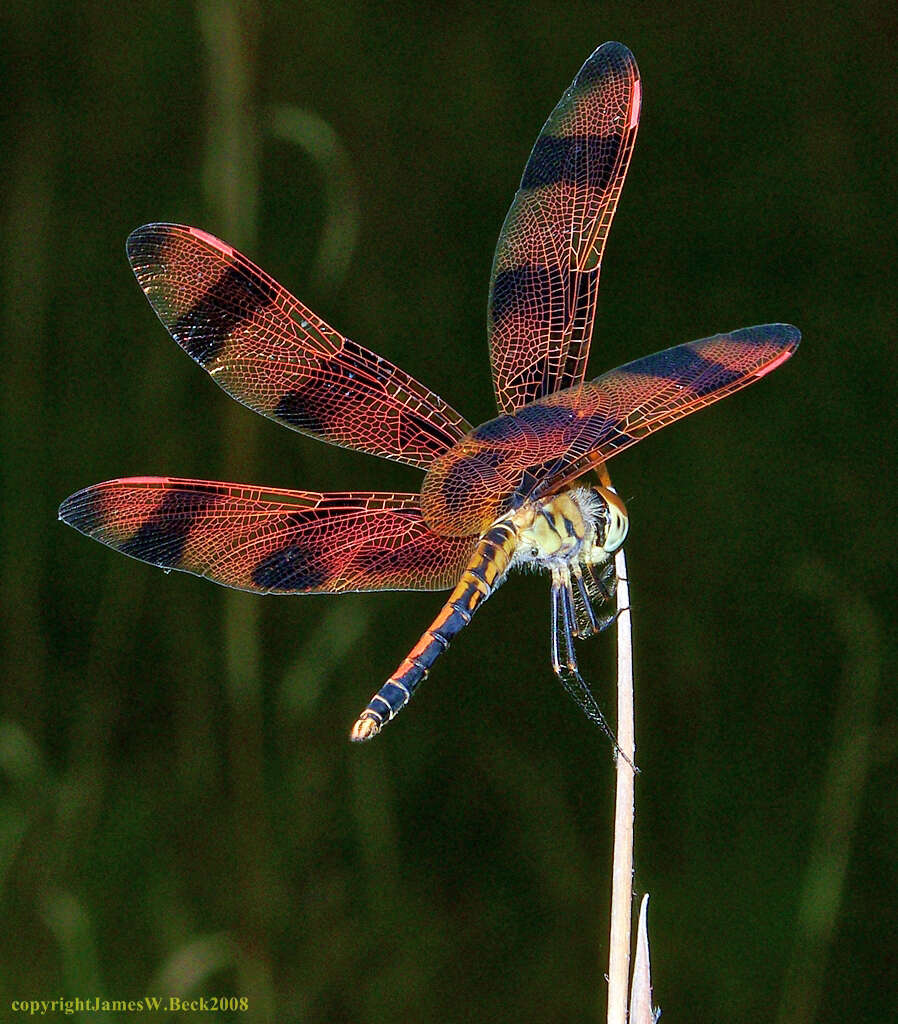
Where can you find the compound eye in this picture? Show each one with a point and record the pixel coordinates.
(534, 552)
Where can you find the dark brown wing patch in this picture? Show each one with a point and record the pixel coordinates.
(545, 275)
(267, 350)
(270, 541)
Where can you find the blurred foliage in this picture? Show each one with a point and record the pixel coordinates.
(180, 810)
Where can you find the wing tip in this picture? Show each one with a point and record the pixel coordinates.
(793, 334)
(614, 53)
(82, 510)
(788, 335)
(148, 239)
(607, 55)
(787, 339)
(613, 46)
(152, 233)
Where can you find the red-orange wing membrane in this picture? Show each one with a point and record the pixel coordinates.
(272, 354)
(545, 276)
(270, 541)
(547, 444)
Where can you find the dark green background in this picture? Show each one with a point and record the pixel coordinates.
(181, 811)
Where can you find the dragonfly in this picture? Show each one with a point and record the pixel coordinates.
(527, 490)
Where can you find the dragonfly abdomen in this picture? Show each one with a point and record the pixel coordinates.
(484, 573)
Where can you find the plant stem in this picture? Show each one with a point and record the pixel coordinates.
(622, 864)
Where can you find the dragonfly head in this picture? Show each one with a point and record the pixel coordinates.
(610, 519)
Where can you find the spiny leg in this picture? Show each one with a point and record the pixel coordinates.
(567, 616)
(557, 615)
(586, 623)
(601, 585)
(604, 579)
(564, 658)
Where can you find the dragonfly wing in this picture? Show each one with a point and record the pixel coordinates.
(625, 405)
(545, 273)
(267, 350)
(271, 541)
(551, 442)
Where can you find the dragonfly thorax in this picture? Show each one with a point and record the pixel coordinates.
(585, 525)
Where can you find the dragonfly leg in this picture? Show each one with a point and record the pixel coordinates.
(605, 580)
(587, 624)
(558, 663)
(564, 657)
(601, 583)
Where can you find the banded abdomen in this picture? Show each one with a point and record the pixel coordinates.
(485, 572)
